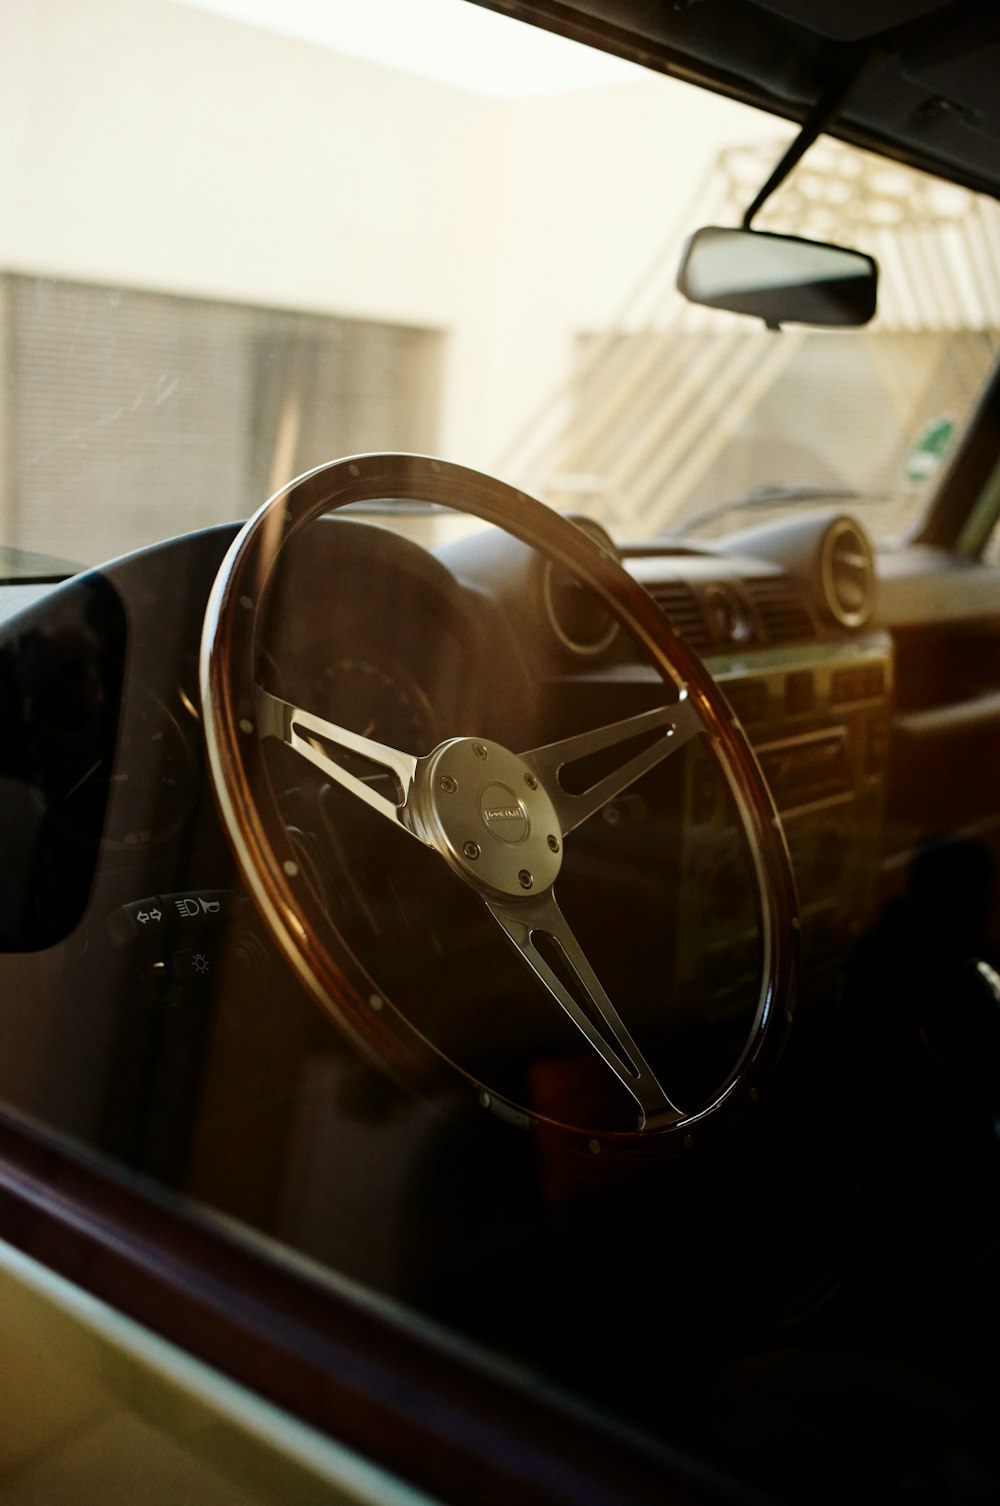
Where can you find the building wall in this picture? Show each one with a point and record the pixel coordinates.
(147, 144)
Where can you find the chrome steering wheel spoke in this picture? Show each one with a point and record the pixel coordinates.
(301, 730)
(545, 940)
(677, 723)
(533, 922)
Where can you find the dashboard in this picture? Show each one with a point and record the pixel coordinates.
(119, 867)
(784, 618)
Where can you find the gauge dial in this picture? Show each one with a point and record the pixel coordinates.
(379, 701)
(150, 788)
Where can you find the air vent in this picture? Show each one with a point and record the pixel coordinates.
(783, 616)
(848, 573)
(679, 603)
(578, 616)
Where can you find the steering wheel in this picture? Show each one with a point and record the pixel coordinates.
(497, 818)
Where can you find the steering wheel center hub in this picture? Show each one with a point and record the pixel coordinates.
(489, 816)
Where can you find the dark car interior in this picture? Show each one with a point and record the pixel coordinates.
(314, 1077)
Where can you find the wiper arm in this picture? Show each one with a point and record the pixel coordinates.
(769, 494)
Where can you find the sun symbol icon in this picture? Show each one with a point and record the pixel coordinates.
(200, 963)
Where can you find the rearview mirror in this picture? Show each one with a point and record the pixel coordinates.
(781, 279)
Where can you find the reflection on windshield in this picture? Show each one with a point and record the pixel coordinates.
(739, 260)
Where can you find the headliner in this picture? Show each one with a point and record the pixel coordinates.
(925, 72)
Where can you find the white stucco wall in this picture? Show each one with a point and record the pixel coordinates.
(148, 144)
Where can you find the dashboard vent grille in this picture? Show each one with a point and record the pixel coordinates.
(679, 603)
(781, 612)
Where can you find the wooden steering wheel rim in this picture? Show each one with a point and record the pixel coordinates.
(267, 859)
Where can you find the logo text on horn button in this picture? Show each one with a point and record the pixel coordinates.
(503, 814)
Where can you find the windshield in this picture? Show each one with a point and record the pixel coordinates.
(228, 255)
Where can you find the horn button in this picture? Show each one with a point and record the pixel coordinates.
(485, 811)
